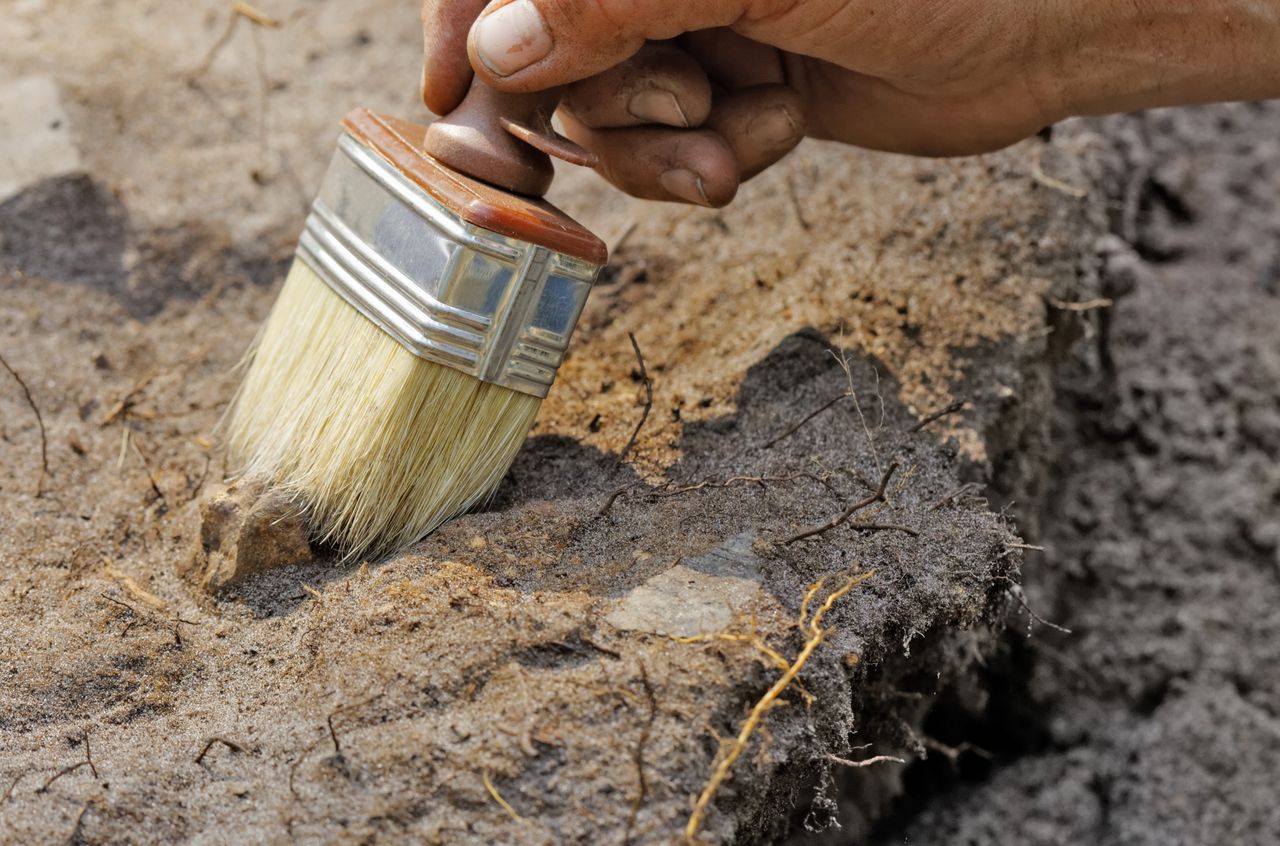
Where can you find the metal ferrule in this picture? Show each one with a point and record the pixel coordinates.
(494, 307)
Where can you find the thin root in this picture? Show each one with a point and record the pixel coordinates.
(648, 402)
(44, 439)
(734, 751)
(878, 496)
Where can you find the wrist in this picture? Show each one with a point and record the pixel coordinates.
(1118, 57)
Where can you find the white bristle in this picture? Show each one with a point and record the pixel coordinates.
(379, 446)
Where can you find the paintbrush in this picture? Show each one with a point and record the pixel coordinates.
(429, 305)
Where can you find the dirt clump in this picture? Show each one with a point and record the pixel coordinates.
(245, 530)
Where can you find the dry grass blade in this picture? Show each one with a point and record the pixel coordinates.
(1038, 174)
(135, 589)
(1083, 305)
(497, 797)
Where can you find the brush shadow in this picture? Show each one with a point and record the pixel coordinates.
(278, 592)
(555, 525)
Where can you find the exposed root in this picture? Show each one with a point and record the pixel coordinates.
(239, 9)
(642, 786)
(877, 496)
(843, 360)
(884, 527)
(87, 762)
(866, 762)
(608, 503)
(953, 753)
(958, 405)
(1019, 594)
(945, 500)
(753, 638)
(762, 481)
(815, 634)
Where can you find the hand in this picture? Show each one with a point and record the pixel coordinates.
(684, 99)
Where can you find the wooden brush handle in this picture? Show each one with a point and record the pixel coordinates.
(504, 139)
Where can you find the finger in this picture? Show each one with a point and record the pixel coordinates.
(761, 125)
(656, 163)
(734, 61)
(446, 71)
(660, 84)
(526, 45)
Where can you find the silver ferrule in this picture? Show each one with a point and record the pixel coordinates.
(453, 293)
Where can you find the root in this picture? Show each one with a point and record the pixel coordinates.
(815, 634)
(87, 762)
(866, 762)
(812, 414)
(648, 402)
(646, 729)
(878, 496)
(44, 438)
(958, 405)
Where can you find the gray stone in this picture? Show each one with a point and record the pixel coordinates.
(698, 597)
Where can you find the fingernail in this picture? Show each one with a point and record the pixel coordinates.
(773, 128)
(684, 184)
(656, 106)
(512, 38)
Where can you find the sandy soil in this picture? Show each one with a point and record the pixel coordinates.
(521, 676)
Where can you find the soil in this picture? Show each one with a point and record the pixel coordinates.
(1156, 720)
(569, 663)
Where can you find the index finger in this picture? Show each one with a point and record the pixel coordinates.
(446, 70)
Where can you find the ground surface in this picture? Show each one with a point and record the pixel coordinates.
(526, 674)
(1157, 720)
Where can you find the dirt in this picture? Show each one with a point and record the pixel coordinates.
(569, 663)
(1155, 721)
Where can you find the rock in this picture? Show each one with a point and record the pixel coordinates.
(698, 597)
(35, 135)
(245, 530)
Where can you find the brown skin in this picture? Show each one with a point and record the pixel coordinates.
(731, 86)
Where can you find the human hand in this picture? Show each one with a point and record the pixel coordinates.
(684, 99)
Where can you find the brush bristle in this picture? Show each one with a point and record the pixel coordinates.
(379, 446)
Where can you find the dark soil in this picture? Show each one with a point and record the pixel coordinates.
(1157, 720)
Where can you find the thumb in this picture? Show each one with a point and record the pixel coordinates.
(527, 45)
